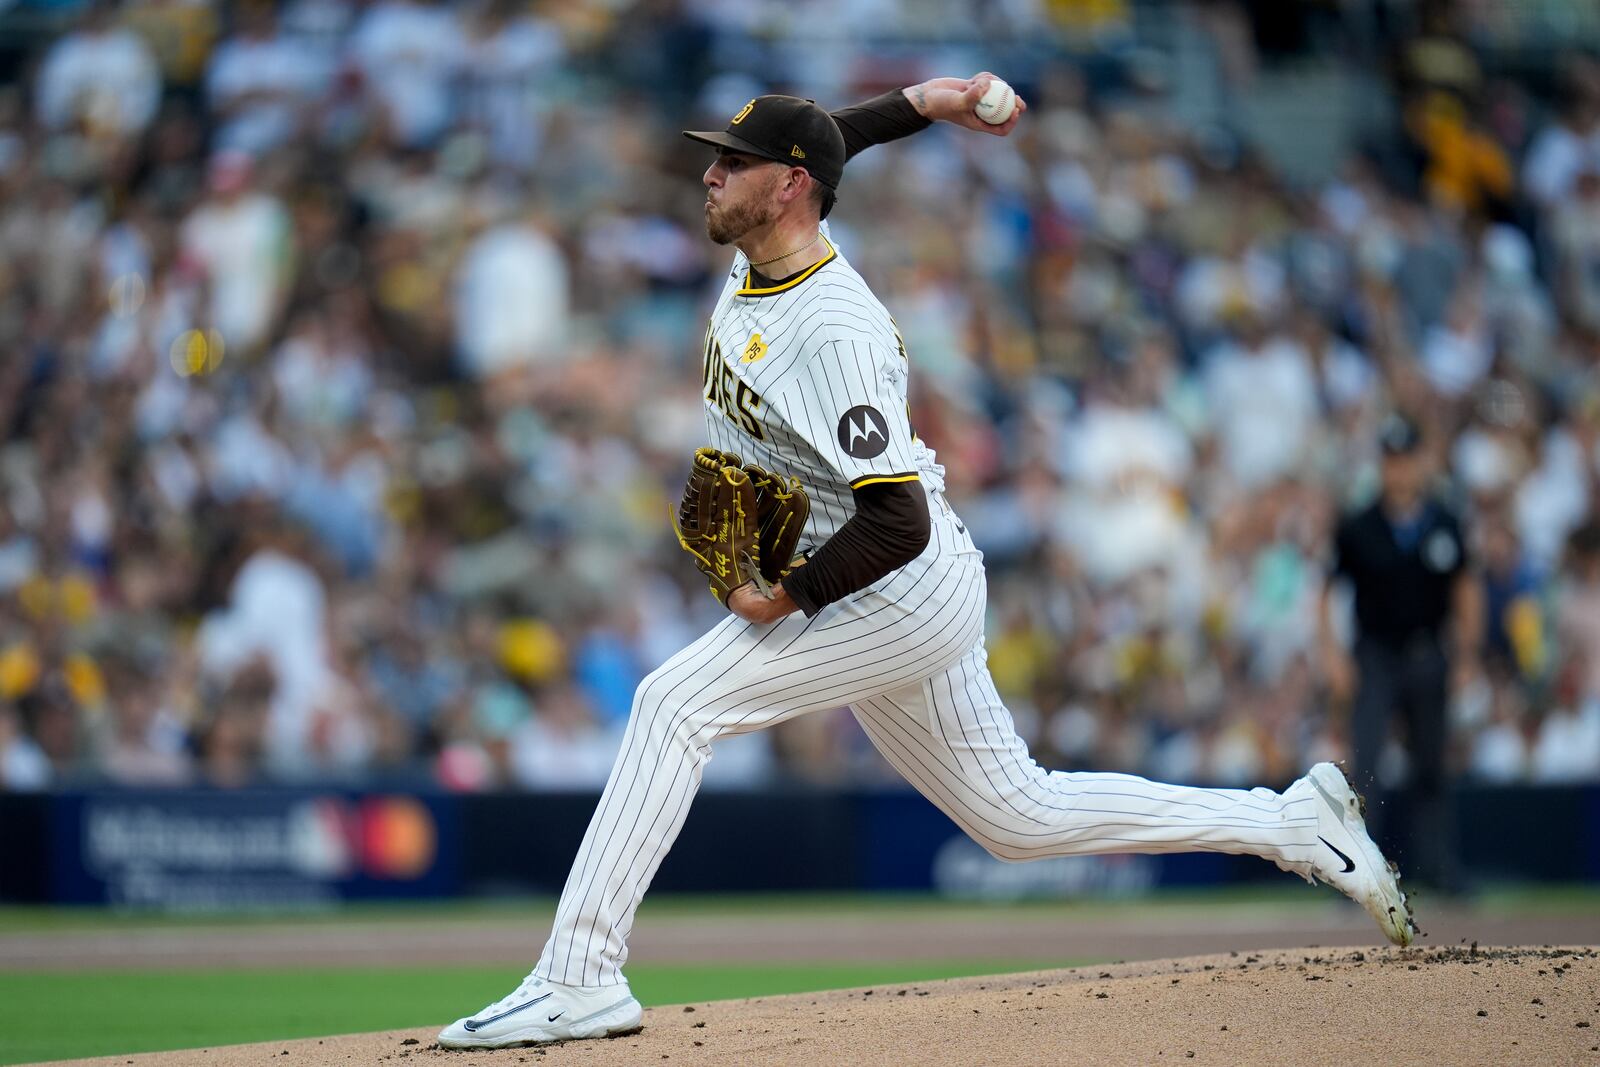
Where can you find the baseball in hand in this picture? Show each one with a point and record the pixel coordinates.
(997, 103)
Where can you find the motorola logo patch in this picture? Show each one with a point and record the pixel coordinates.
(863, 432)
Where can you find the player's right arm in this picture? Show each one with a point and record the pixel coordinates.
(903, 112)
(955, 100)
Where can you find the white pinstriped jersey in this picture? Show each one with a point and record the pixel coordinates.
(809, 378)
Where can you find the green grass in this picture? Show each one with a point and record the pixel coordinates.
(1286, 896)
(19, 919)
(142, 1011)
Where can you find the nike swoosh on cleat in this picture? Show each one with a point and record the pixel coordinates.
(556, 1016)
(471, 1025)
(1349, 864)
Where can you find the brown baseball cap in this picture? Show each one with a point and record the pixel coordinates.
(786, 129)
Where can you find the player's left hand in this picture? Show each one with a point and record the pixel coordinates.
(747, 602)
(954, 100)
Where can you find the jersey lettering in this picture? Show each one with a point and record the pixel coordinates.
(739, 403)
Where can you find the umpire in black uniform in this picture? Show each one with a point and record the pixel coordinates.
(1418, 629)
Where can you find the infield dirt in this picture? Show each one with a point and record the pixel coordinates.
(1461, 1005)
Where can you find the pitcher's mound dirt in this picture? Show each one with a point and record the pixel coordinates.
(1457, 1006)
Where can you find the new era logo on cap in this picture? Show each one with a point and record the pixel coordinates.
(785, 129)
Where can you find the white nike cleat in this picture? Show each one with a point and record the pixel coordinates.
(1346, 857)
(539, 1011)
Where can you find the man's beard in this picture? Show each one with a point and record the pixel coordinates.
(732, 222)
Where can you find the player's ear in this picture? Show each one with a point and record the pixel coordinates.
(798, 184)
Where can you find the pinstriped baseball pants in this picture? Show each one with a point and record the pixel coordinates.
(907, 655)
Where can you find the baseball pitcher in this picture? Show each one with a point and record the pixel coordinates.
(819, 519)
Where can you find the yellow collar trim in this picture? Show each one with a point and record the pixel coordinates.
(792, 282)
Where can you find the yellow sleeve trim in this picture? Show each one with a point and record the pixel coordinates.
(792, 282)
(879, 479)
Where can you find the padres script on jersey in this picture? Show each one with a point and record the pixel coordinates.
(809, 378)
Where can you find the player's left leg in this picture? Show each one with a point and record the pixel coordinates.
(736, 678)
(952, 738)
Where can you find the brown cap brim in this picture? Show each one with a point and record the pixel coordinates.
(720, 139)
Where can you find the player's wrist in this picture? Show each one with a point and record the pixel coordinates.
(751, 605)
(917, 97)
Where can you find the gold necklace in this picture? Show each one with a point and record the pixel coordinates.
(786, 255)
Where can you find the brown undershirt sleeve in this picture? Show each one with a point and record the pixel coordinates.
(889, 529)
(883, 118)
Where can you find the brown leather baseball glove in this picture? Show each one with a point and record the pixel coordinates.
(739, 522)
(716, 521)
(782, 508)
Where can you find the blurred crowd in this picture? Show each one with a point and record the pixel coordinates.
(351, 365)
